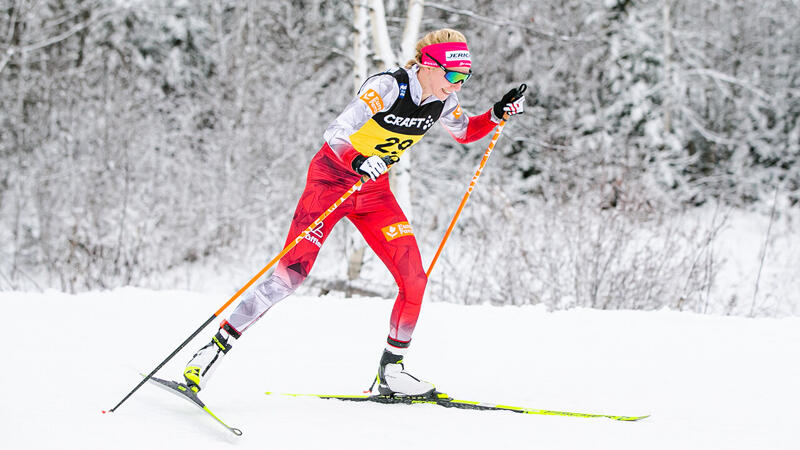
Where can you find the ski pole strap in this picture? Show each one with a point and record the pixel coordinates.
(520, 90)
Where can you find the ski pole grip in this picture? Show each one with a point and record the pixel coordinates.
(389, 160)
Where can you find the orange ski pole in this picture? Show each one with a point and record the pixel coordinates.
(280, 255)
(472, 184)
(474, 181)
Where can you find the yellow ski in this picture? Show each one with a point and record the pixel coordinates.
(442, 399)
(181, 390)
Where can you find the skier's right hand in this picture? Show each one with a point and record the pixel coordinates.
(372, 167)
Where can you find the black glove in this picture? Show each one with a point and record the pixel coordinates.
(511, 103)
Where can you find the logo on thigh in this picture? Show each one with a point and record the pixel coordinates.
(397, 230)
(316, 234)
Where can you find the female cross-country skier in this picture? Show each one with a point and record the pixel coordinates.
(392, 111)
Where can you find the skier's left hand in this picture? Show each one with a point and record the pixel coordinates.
(511, 104)
(373, 167)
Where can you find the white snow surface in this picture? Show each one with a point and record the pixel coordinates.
(709, 382)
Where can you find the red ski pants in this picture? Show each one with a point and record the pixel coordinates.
(376, 214)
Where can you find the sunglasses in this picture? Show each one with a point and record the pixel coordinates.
(452, 76)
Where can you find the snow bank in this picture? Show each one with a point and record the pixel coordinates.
(709, 382)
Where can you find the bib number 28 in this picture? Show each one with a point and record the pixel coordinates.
(391, 142)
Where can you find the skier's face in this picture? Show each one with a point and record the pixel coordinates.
(437, 83)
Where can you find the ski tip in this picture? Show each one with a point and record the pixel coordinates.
(628, 418)
(634, 418)
(104, 411)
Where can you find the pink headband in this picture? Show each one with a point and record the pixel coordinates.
(449, 54)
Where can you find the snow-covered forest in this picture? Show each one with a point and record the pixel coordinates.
(163, 143)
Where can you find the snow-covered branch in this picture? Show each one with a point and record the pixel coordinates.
(717, 75)
(508, 23)
(96, 16)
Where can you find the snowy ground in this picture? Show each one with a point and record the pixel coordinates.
(709, 382)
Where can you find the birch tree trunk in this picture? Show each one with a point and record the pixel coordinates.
(380, 35)
(355, 244)
(411, 30)
(400, 176)
(360, 43)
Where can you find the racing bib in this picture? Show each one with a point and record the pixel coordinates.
(392, 132)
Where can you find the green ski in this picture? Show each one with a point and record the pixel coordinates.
(441, 399)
